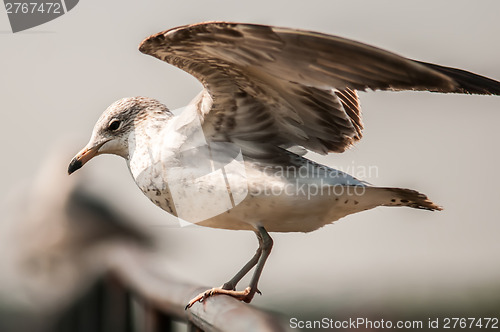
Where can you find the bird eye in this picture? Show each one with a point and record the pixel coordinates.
(114, 125)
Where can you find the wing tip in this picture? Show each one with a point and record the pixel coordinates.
(466, 82)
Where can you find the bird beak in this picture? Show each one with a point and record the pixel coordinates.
(82, 157)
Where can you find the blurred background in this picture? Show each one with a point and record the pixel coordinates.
(56, 79)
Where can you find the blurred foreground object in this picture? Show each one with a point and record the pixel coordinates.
(55, 241)
(70, 263)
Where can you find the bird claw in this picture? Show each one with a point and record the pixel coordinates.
(200, 298)
(245, 295)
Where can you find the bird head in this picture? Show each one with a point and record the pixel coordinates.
(113, 129)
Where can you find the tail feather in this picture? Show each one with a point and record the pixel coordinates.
(410, 198)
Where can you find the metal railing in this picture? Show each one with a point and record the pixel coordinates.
(163, 293)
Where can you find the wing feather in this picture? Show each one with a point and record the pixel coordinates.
(285, 87)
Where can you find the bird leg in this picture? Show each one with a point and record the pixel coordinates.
(246, 295)
(231, 284)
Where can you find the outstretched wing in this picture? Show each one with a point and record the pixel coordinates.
(289, 87)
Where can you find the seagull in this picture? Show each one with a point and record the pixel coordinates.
(234, 157)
